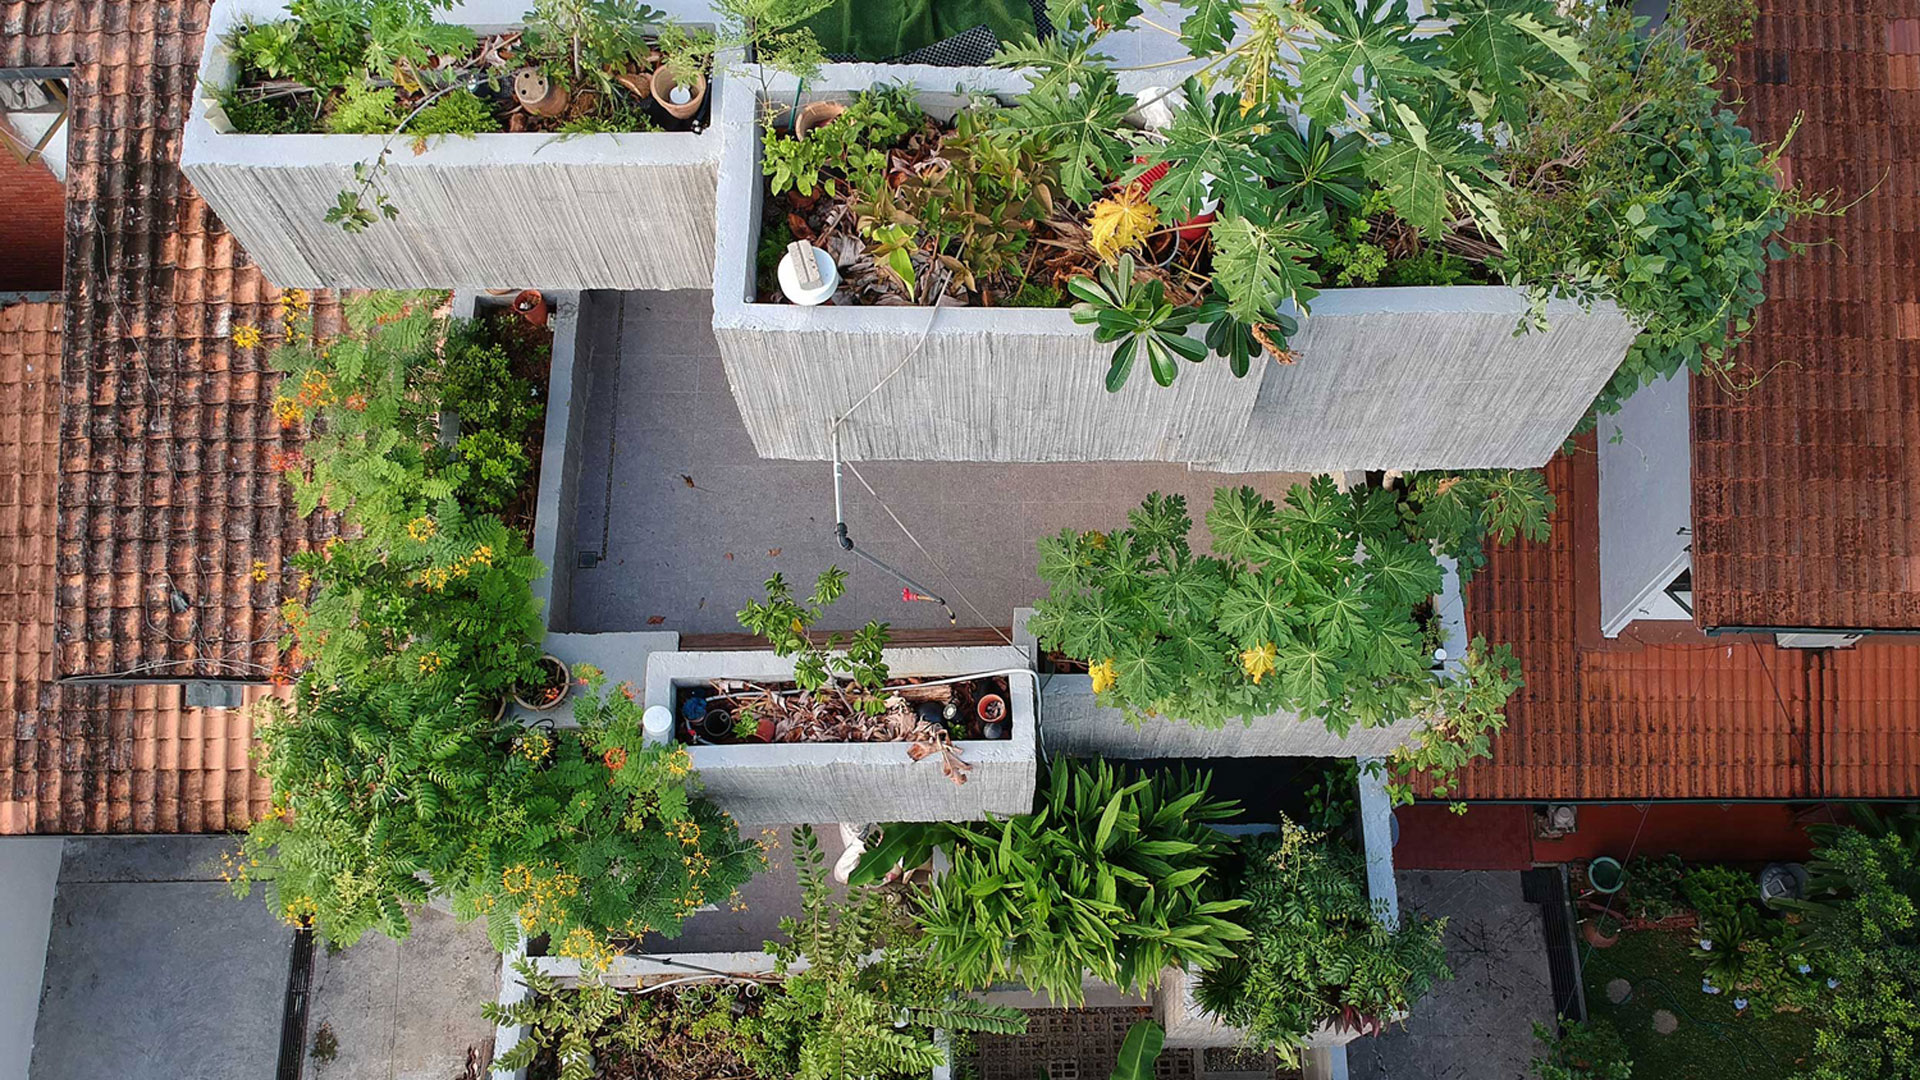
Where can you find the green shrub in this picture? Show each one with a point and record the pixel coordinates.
(479, 383)
(363, 110)
(457, 112)
(1319, 952)
(488, 470)
(1581, 1051)
(1113, 875)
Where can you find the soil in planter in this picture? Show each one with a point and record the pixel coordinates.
(798, 717)
(551, 683)
(262, 104)
(691, 1032)
(1037, 244)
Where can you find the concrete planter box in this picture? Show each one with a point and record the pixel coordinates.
(779, 783)
(1389, 377)
(625, 211)
(1075, 724)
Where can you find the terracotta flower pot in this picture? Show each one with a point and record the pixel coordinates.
(537, 94)
(815, 113)
(531, 305)
(991, 709)
(664, 87)
(1600, 934)
(552, 688)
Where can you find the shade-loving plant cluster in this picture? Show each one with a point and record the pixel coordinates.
(1320, 952)
(1320, 143)
(852, 994)
(1113, 875)
(1306, 607)
(395, 776)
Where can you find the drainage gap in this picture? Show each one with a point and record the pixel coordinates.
(293, 1021)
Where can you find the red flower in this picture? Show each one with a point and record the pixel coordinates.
(615, 758)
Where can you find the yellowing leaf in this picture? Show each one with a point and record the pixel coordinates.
(1122, 222)
(1258, 663)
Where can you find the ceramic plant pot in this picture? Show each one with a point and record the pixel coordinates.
(537, 94)
(681, 103)
(550, 690)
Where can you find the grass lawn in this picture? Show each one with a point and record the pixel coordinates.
(1713, 1041)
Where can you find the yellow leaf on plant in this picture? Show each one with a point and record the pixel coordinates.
(1104, 676)
(1121, 223)
(1259, 663)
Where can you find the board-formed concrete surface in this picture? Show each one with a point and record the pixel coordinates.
(155, 970)
(688, 520)
(1479, 1025)
(404, 1010)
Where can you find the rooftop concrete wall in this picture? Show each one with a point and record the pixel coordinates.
(625, 211)
(1646, 504)
(1388, 378)
(781, 783)
(29, 873)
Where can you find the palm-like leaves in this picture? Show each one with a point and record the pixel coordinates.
(1138, 316)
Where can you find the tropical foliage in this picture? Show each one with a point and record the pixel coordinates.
(1320, 952)
(395, 778)
(1113, 875)
(1307, 607)
(1863, 931)
(869, 996)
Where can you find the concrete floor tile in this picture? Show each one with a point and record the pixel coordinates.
(406, 1010)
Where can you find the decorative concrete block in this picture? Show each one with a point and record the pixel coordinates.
(611, 211)
(779, 783)
(1388, 377)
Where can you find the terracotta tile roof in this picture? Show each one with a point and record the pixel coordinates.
(134, 463)
(1806, 489)
(77, 758)
(168, 503)
(1666, 712)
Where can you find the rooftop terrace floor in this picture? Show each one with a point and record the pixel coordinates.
(689, 521)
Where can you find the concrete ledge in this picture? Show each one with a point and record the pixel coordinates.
(858, 782)
(627, 211)
(1389, 377)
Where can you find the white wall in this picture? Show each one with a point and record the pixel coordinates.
(1646, 505)
(29, 871)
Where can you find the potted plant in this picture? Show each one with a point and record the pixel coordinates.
(850, 729)
(1601, 929)
(314, 126)
(1070, 186)
(546, 687)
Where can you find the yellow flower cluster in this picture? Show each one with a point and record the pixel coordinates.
(259, 572)
(680, 763)
(585, 946)
(542, 899)
(431, 662)
(533, 746)
(247, 337)
(422, 528)
(287, 412)
(435, 577)
(299, 911)
(687, 832)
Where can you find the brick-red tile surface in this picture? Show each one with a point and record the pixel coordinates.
(142, 473)
(167, 498)
(1667, 712)
(33, 228)
(1806, 497)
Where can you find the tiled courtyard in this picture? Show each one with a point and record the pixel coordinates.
(690, 520)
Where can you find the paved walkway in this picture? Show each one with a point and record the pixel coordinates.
(693, 520)
(1479, 1025)
(155, 970)
(404, 1010)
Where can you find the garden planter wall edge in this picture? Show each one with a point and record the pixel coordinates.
(781, 783)
(1075, 724)
(1389, 378)
(613, 211)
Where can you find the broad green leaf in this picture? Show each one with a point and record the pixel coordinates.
(1214, 149)
(1258, 266)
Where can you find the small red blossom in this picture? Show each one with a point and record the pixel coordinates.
(615, 758)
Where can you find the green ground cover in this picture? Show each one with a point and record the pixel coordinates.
(1714, 1041)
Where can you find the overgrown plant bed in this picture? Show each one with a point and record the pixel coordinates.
(1382, 379)
(898, 765)
(494, 388)
(416, 173)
